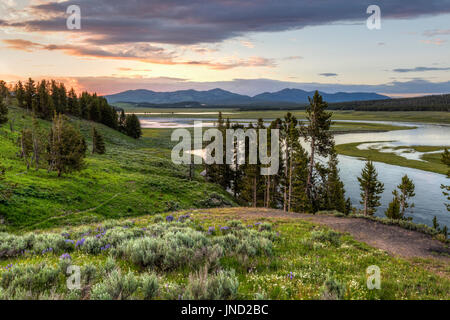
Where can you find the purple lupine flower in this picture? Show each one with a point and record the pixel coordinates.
(211, 230)
(65, 235)
(80, 242)
(105, 247)
(257, 224)
(225, 228)
(250, 226)
(169, 218)
(70, 241)
(291, 275)
(65, 256)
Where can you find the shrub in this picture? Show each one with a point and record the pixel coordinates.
(329, 236)
(158, 218)
(30, 281)
(213, 201)
(220, 286)
(115, 287)
(332, 289)
(173, 249)
(149, 286)
(265, 227)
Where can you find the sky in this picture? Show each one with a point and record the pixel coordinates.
(247, 47)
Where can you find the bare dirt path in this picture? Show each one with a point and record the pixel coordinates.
(392, 239)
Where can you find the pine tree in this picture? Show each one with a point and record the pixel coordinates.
(435, 223)
(3, 112)
(43, 102)
(272, 189)
(4, 91)
(251, 177)
(62, 98)
(317, 133)
(298, 199)
(335, 192)
(26, 146)
(405, 192)
(73, 106)
(98, 145)
(20, 94)
(39, 137)
(371, 188)
(122, 121)
(66, 147)
(288, 135)
(30, 92)
(446, 189)
(133, 126)
(55, 96)
(394, 209)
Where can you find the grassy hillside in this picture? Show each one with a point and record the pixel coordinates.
(217, 253)
(134, 177)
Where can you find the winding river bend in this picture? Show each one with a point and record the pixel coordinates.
(429, 200)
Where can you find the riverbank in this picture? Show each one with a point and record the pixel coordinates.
(431, 161)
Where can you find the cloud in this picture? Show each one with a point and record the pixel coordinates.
(293, 58)
(138, 52)
(174, 22)
(19, 44)
(328, 74)
(436, 32)
(247, 44)
(420, 69)
(437, 41)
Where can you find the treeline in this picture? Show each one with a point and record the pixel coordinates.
(48, 97)
(425, 103)
(302, 183)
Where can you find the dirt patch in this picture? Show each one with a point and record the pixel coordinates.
(392, 239)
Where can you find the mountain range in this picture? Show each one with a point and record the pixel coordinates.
(223, 97)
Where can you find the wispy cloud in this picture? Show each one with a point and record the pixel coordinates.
(436, 32)
(328, 74)
(436, 42)
(420, 69)
(139, 52)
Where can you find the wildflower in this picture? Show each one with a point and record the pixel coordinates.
(65, 235)
(169, 218)
(80, 242)
(70, 241)
(211, 230)
(65, 256)
(105, 247)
